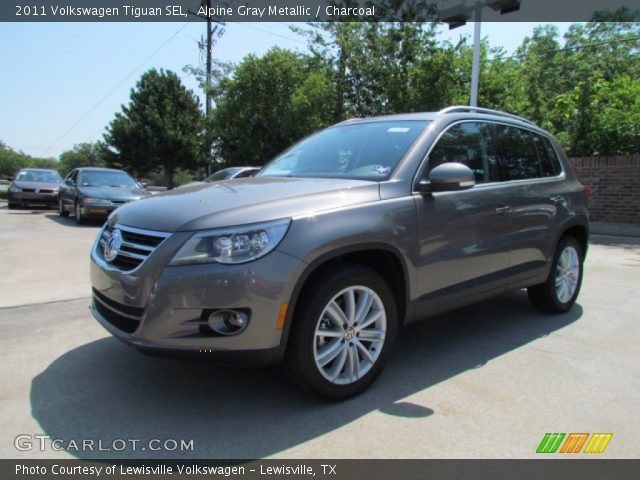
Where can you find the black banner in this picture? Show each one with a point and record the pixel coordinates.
(323, 469)
(450, 11)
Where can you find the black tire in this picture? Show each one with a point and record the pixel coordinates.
(12, 206)
(300, 363)
(61, 211)
(544, 296)
(80, 220)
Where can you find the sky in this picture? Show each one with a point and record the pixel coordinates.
(62, 83)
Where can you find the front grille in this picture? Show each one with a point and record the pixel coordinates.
(137, 245)
(29, 190)
(120, 316)
(46, 191)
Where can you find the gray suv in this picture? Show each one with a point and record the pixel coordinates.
(340, 240)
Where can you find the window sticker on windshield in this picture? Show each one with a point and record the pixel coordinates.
(381, 169)
(398, 129)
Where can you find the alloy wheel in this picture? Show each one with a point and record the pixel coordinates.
(349, 335)
(567, 274)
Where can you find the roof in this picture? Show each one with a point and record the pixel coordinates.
(457, 112)
(39, 169)
(98, 169)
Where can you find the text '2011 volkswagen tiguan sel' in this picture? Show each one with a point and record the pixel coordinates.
(340, 240)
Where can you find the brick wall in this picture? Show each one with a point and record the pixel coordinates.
(615, 187)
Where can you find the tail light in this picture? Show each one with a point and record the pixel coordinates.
(586, 191)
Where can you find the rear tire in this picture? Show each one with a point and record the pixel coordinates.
(12, 206)
(343, 332)
(559, 292)
(61, 210)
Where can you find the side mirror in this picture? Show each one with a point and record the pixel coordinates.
(69, 182)
(448, 177)
(143, 184)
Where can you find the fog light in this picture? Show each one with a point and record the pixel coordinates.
(228, 322)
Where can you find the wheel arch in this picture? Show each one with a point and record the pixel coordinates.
(383, 258)
(578, 231)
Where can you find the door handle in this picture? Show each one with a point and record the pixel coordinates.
(503, 209)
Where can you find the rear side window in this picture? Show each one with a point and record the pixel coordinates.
(519, 155)
(471, 144)
(549, 163)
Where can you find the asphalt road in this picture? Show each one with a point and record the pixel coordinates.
(486, 381)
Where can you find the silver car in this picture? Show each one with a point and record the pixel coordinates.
(34, 187)
(342, 239)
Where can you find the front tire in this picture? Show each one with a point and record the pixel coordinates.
(559, 292)
(343, 332)
(12, 206)
(61, 211)
(78, 214)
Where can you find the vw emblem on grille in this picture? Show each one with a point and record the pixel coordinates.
(112, 248)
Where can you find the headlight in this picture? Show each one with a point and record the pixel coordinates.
(14, 189)
(99, 201)
(232, 245)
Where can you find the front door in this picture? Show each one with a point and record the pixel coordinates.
(463, 250)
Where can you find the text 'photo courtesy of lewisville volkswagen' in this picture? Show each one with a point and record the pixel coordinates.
(361, 240)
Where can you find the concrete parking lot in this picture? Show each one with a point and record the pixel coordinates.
(486, 381)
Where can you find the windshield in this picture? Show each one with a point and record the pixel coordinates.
(107, 179)
(42, 176)
(365, 151)
(222, 174)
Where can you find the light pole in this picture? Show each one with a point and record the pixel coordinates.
(213, 34)
(457, 12)
(475, 64)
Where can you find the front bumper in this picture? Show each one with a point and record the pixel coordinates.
(32, 198)
(157, 309)
(97, 210)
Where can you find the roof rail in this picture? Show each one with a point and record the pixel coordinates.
(465, 108)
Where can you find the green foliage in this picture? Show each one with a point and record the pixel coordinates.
(583, 88)
(269, 103)
(82, 155)
(585, 91)
(11, 161)
(161, 126)
(184, 176)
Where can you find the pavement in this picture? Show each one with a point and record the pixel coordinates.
(485, 381)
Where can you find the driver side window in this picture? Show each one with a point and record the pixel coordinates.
(471, 144)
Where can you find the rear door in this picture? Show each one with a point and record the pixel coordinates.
(463, 250)
(534, 187)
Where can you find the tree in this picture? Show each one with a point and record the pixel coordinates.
(82, 155)
(160, 127)
(11, 161)
(377, 68)
(269, 103)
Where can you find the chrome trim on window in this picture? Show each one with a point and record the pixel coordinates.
(423, 163)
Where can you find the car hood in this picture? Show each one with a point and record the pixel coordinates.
(43, 185)
(114, 193)
(242, 201)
